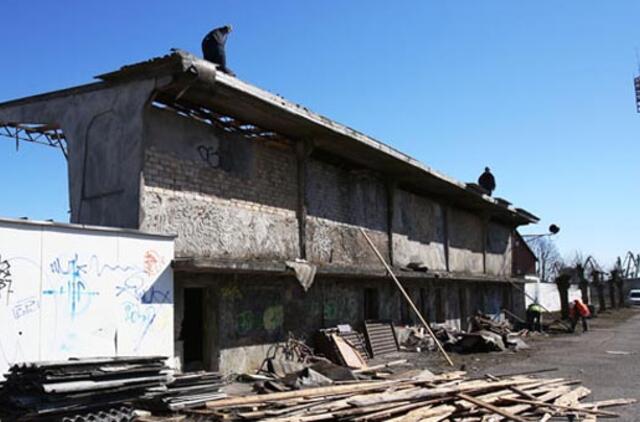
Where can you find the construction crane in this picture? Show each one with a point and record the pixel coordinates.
(629, 266)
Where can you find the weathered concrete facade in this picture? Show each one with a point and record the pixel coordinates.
(245, 328)
(247, 181)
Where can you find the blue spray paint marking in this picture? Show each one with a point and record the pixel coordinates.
(134, 287)
(76, 288)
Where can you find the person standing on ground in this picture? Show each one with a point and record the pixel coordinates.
(579, 310)
(213, 46)
(534, 317)
(487, 181)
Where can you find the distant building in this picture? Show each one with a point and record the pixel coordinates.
(249, 181)
(524, 260)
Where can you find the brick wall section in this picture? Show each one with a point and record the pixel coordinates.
(340, 201)
(223, 195)
(272, 183)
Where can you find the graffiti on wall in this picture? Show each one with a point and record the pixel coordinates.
(209, 154)
(270, 320)
(25, 307)
(74, 288)
(83, 295)
(5, 279)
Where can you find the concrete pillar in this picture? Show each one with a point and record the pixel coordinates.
(303, 150)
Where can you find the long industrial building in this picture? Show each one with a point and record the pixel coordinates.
(267, 200)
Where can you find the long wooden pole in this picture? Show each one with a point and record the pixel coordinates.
(406, 296)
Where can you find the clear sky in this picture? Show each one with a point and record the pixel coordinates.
(541, 91)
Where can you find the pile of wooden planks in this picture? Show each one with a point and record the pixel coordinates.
(71, 387)
(451, 396)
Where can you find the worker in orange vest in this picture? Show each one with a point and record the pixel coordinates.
(578, 310)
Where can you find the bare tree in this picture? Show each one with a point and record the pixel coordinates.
(549, 258)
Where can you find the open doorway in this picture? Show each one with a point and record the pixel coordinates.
(371, 301)
(193, 329)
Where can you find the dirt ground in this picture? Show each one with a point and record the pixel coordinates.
(605, 358)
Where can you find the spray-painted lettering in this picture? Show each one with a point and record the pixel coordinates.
(5, 279)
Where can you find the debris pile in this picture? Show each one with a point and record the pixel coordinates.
(484, 335)
(185, 391)
(450, 395)
(78, 387)
(343, 345)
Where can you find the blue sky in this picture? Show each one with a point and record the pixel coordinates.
(541, 91)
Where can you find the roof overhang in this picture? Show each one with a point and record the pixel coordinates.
(198, 82)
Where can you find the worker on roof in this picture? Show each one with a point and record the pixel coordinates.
(487, 181)
(213, 47)
(578, 310)
(534, 317)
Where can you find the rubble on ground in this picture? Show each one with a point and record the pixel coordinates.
(450, 395)
(77, 388)
(484, 334)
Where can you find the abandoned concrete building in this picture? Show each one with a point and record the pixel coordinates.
(250, 184)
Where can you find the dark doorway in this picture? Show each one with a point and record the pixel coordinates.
(193, 329)
(371, 310)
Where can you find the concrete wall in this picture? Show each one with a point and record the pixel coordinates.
(240, 329)
(223, 195)
(418, 231)
(70, 292)
(499, 256)
(104, 132)
(466, 238)
(339, 201)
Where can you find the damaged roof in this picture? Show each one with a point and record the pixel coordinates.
(195, 81)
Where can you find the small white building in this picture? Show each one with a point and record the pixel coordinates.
(80, 291)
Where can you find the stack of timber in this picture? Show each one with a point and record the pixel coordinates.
(186, 391)
(61, 390)
(450, 396)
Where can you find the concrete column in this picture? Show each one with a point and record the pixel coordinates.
(445, 223)
(303, 150)
(391, 186)
(485, 240)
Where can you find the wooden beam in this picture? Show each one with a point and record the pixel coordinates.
(309, 392)
(491, 408)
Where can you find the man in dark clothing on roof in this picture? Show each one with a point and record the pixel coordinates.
(487, 181)
(213, 47)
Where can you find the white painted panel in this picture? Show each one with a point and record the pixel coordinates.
(547, 295)
(67, 292)
(144, 299)
(77, 293)
(19, 295)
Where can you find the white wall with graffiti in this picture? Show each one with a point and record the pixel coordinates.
(72, 291)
